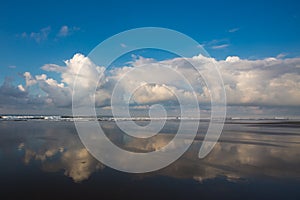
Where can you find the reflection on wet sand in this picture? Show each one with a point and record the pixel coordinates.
(68, 155)
(242, 153)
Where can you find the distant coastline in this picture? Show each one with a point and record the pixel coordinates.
(111, 118)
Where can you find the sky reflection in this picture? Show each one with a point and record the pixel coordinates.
(245, 151)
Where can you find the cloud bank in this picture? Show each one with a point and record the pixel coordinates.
(263, 82)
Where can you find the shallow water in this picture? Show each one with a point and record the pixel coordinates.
(252, 160)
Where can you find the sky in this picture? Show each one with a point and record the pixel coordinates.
(255, 43)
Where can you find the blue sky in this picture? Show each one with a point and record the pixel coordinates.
(263, 28)
(34, 33)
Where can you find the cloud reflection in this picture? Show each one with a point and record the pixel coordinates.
(243, 152)
(68, 154)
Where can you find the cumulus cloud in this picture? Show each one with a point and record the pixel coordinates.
(29, 80)
(60, 93)
(57, 93)
(17, 99)
(9, 94)
(152, 93)
(263, 82)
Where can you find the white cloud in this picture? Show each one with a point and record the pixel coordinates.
(270, 81)
(152, 93)
(262, 82)
(43, 34)
(66, 30)
(281, 55)
(60, 93)
(123, 45)
(248, 82)
(21, 88)
(24, 35)
(233, 30)
(217, 44)
(38, 36)
(232, 59)
(29, 80)
(222, 46)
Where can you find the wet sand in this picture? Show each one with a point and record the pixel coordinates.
(252, 160)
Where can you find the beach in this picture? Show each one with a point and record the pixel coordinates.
(253, 159)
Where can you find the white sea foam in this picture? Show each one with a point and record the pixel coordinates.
(109, 118)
